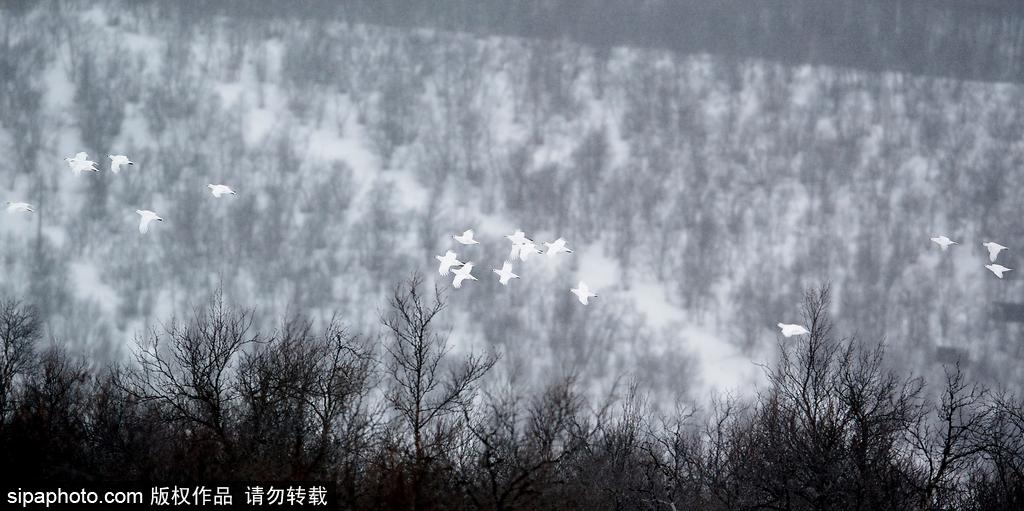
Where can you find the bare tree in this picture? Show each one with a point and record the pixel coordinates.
(833, 419)
(19, 331)
(189, 370)
(518, 446)
(50, 430)
(426, 390)
(949, 442)
(303, 393)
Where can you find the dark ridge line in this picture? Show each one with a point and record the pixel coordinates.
(980, 40)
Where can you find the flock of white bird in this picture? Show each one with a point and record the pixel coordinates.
(993, 252)
(522, 249)
(943, 242)
(80, 162)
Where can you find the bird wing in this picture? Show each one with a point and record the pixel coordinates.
(515, 251)
(460, 275)
(81, 155)
(144, 224)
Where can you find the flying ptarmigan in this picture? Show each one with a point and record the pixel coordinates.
(147, 217)
(583, 293)
(461, 274)
(993, 249)
(790, 330)
(943, 241)
(998, 269)
(79, 163)
(13, 207)
(526, 250)
(117, 160)
(466, 238)
(518, 237)
(557, 247)
(505, 273)
(220, 190)
(447, 261)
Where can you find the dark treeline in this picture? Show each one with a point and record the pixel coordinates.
(401, 421)
(971, 40)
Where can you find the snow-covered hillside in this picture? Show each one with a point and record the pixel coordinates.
(702, 195)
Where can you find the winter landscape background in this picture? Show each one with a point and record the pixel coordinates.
(703, 192)
(716, 166)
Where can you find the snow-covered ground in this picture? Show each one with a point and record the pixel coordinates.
(701, 196)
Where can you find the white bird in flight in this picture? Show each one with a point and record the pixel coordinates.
(463, 274)
(116, 160)
(998, 269)
(220, 190)
(19, 206)
(789, 330)
(526, 250)
(993, 249)
(80, 163)
(518, 238)
(943, 241)
(447, 261)
(557, 247)
(583, 292)
(514, 254)
(466, 238)
(505, 273)
(147, 217)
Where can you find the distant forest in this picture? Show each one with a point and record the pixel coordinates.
(399, 421)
